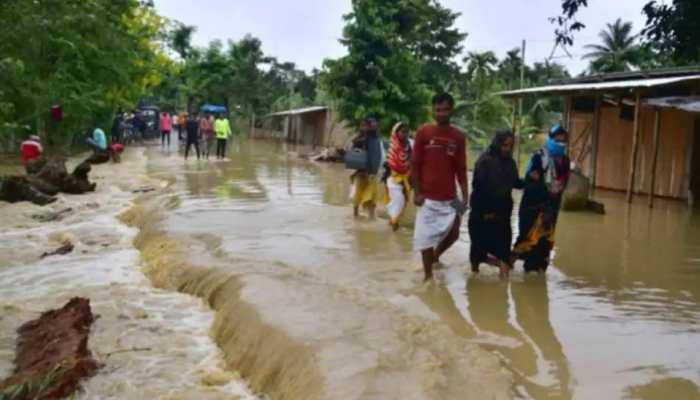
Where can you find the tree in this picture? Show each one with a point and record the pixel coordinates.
(671, 33)
(479, 111)
(180, 37)
(396, 50)
(674, 29)
(509, 69)
(618, 50)
(89, 78)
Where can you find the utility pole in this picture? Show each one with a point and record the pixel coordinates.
(520, 105)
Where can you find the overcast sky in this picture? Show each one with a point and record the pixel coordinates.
(307, 31)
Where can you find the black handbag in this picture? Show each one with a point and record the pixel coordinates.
(356, 158)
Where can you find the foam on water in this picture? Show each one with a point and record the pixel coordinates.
(153, 343)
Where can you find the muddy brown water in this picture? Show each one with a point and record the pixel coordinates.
(615, 317)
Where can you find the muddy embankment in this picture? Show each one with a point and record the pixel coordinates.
(151, 343)
(295, 335)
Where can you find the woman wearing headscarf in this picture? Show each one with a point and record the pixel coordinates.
(398, 183)
(495, 177)
(365, 181)
(545, 180)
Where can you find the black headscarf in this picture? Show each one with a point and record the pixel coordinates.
(494, 178)
(498, 141)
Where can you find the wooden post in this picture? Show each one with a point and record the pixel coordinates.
(594, 142)
(635, 145)
(569, 106)
(655, 155)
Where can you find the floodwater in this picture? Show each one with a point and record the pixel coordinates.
(251, 276)
(152, 343)
(615, 317)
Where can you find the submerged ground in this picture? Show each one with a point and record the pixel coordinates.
(313, 304)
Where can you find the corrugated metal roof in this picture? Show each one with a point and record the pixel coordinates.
(600, 87)
(628, 75)
(684, 103)
(298, 111)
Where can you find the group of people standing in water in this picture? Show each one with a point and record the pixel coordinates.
(434, 165)
(195, 129)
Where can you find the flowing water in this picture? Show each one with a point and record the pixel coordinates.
(312, 304)
(152, 343)
(616, 317)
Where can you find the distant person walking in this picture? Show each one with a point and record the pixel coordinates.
(495, 177)
(439, 159)
(545, 181)
(116, 130)
(181, 122)
(193, 135)
(365, 182)
(206, 129)
(223, 132)
(398, 183)
(166, 126)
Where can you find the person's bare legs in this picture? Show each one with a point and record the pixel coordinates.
(372, 208)
(428, 256)
(451, 239)
(503, 266)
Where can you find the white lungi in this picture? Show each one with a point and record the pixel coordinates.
(434, 221)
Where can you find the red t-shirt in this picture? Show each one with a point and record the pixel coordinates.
(31, 150)
(439, 158)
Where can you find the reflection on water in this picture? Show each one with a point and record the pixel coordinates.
(616, 316)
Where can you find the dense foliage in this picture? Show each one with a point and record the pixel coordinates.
(237, 75)
(398, 52)
(91, 57)
(95, 57)
(671, 35)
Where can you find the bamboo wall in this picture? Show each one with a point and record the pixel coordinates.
(615, 150)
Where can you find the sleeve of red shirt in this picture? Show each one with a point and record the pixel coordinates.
(462, 160)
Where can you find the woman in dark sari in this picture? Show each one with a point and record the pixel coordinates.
(495, 177)
(545, 180)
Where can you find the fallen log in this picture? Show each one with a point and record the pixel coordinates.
(100, 157)
(52, 354)
(14, 189)
(53, 177)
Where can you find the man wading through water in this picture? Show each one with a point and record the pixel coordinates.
(439, 159)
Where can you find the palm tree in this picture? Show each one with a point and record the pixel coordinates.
(481, 65)
(619, 50)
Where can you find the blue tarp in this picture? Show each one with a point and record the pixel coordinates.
(213, 109)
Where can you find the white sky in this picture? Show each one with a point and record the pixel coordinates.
(306, 31)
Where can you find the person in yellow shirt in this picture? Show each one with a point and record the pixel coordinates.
(223, 132)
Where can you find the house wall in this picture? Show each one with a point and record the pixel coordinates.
(615, 150)
(318, 129)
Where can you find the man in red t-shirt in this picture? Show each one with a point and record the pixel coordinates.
(439, 162)
(31, 149)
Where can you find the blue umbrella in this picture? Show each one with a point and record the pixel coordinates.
(213, 109)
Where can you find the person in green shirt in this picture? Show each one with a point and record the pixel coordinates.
(223, 132)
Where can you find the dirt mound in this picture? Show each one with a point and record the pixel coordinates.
(52, 354)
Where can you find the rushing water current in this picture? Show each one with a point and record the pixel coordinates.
(310, 303)
(153, 344)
